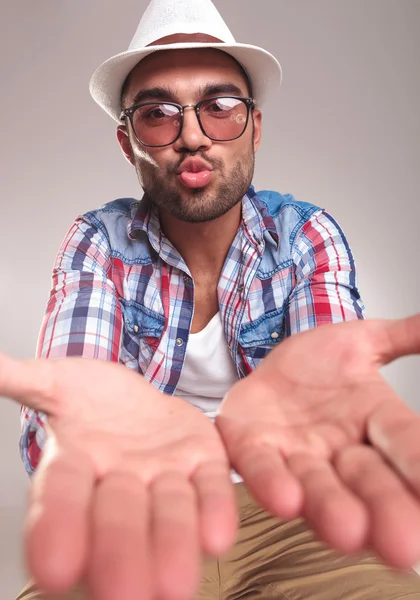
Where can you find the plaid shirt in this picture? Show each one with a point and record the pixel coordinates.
(122, 292)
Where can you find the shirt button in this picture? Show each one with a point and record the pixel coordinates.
(136, 328)
(240, 288)
(186, 278)
(179, 342)
(275, 335)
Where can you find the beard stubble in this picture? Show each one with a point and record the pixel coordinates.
(199, 205)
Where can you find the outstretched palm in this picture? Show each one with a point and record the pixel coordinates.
(132, 485)
(316, 431)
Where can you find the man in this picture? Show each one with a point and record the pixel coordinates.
(192, 289)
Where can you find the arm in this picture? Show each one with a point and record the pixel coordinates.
(83, 318)
(120, 456)
(325, 290)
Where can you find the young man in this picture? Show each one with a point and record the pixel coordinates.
(191, 289)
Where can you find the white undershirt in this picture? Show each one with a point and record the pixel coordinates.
(208, 371)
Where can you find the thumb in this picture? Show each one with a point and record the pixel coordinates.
(29, 382)
(398, 338)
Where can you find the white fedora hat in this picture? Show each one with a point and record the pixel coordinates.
(163, 18)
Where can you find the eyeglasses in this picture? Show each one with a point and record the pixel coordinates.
(158, 124)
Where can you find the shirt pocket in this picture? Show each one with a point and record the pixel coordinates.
(260, 336)
(142, 333)
(269, 291)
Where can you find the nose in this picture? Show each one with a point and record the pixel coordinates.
(192, 137)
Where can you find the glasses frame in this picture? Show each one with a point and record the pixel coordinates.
(128, 113)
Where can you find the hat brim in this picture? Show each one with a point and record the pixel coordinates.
(106, 83)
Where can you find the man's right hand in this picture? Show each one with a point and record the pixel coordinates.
(133, 485)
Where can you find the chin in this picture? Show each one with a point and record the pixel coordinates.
(196, 191)
(183, 190)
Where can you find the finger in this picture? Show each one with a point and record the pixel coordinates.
(395, 430)
(397, 338)
(120, 560)
(217, 512)
(57, 523)
(27, 382)
(176, 542)
(394, 514)
(268, 479)
(339, 518)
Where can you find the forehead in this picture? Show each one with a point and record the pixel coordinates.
(179, 68)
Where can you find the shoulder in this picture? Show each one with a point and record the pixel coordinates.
(278, 204)
(297, 216)
(300, 226)
(110, 226)
(108, 214)
(288, 214)
(113, 218)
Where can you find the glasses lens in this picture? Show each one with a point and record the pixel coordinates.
(157, 124)
(224, 118)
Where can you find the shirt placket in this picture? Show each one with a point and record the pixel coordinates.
(177, 290)
(248, 256)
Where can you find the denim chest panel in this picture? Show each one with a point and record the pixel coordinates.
(262, 326)
(135, 273)
(142, 332)
(263, 323)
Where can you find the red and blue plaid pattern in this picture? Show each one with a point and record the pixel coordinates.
(121, 291)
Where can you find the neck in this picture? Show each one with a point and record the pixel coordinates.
(203, 246)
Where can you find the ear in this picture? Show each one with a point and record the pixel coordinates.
(125, 143)
(257, 117)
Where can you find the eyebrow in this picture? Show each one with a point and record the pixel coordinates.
(166, 93)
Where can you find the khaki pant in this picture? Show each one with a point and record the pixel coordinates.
(283, 560)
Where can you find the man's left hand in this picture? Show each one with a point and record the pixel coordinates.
(316, 431)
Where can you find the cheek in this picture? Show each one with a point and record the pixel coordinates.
(141, 156)
(243, 150)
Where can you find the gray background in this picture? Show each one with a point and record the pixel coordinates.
(343, 133)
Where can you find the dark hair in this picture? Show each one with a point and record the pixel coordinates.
(240, 67)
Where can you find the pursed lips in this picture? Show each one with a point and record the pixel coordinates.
(195, 173)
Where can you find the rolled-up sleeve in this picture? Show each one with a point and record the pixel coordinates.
(325, 289)
(83, 317)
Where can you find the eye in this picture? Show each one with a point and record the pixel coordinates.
(214, 106)
(157, 112)
(221, 106)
